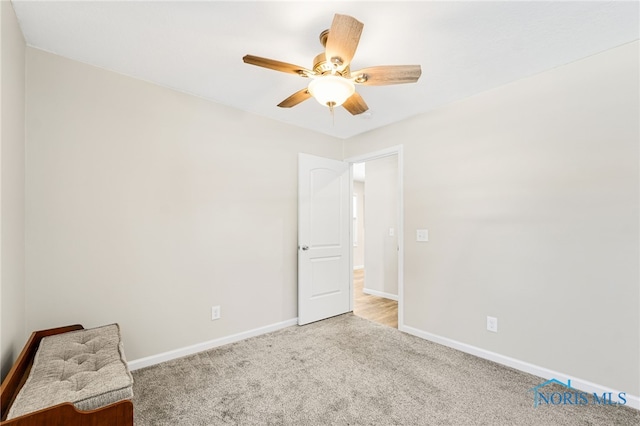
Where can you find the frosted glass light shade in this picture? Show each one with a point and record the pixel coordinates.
(331, 90)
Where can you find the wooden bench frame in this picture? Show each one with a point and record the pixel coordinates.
(116, 414)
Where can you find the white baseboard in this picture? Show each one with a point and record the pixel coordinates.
(204, 346)
(358, 267)
(545, 373)
(380, 294)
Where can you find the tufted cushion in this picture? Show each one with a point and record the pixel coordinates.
(85, 367)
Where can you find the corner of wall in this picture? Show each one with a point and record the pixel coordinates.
(12, 187)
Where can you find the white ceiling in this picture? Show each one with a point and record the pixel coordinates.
(197, 47)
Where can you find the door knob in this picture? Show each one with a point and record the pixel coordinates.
(305, 248)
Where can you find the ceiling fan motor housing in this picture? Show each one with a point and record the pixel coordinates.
(322, 67)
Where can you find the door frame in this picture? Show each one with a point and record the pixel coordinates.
(387, 152)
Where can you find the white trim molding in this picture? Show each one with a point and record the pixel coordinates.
(633, 401)
(204, 346)
(380, 294)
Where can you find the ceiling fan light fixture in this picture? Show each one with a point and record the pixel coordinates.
(331, 90)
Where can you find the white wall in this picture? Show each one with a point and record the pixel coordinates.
(358, 250)
(381, 207)
(12, 169)
(146, 207)
(530, 194)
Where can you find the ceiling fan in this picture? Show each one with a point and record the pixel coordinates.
(333, 82)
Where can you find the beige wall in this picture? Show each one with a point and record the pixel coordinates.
(146, 206)
(530, 195)
(12, 169)
(358, 250)
(381, 206)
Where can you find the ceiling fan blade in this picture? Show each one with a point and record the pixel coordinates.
(355, 104)
(295, 99)
(387, 74)
(277, 65)
(343, 39)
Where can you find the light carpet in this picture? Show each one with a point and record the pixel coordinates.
(348, 371)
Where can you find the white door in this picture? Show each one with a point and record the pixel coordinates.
(324, 251)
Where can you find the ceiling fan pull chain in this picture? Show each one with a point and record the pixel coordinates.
(333, 115)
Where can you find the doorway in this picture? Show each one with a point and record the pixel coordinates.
(377, 236)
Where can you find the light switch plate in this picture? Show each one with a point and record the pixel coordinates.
(422, 235)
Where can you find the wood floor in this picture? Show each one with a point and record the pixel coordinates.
(374, 308)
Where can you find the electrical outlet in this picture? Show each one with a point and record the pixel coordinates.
(215, 313)
(492, 324)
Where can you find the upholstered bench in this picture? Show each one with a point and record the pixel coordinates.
(80, 373)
